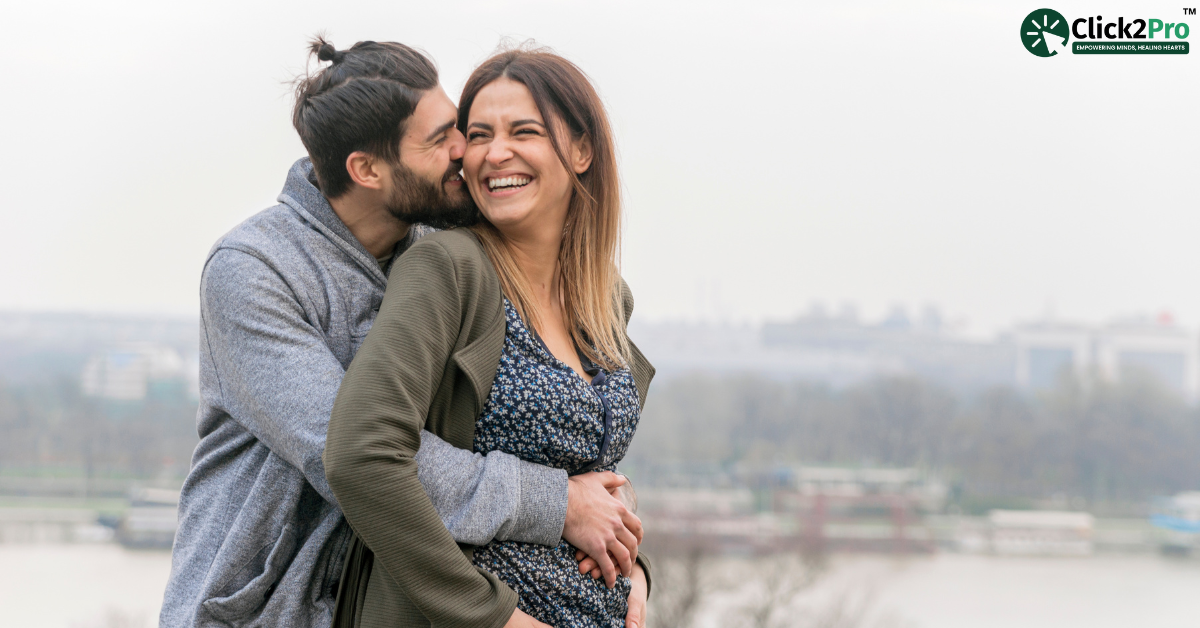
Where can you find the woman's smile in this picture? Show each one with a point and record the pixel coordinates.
(506, 184)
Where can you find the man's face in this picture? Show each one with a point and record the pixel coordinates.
(427, 185)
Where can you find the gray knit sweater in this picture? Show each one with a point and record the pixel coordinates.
(287, 298)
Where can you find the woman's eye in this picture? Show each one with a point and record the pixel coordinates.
(526, 132)
(475, 135)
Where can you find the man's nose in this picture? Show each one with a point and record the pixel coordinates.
(458, 145)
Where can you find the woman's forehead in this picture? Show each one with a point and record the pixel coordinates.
(505, 98)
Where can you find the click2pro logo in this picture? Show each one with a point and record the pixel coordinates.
(1045, 33)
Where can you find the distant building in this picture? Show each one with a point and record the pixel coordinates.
(1157, 349)
(1049, 351)
(924, 348)
(1041, 532)
(44, 346)
(137, 371)
(678, 349)
(840, 350)
(819, 508)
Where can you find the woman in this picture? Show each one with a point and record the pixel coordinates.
(507, 336)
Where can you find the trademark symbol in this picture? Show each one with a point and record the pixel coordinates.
(1187, 11)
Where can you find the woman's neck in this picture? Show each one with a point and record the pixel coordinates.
(537, 258)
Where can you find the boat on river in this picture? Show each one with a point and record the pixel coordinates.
(1177, 520)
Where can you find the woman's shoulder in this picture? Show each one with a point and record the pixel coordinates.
(626, 296)
(457, 243)
(456, 238)
(459, 248)
(446, 261)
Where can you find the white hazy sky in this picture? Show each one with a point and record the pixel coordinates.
(773, 155)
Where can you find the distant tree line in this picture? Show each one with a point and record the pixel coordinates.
(49, 428)
(1105, 445)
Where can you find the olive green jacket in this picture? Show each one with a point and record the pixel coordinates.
(428, 362)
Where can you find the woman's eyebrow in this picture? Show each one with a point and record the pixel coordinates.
(482, 125)
(529, 121)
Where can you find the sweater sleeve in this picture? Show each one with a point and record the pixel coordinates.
(375, 434)
(265, 352)
(497, 496)
(264, 349)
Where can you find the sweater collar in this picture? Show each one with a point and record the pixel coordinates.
(302, 194)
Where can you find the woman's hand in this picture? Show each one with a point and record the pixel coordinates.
(588, 565)
(636, 617)
(520, 619)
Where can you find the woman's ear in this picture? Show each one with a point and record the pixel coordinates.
(581, 154)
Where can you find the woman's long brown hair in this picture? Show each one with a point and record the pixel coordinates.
(589, 281)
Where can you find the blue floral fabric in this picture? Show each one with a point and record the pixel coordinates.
(542, 411)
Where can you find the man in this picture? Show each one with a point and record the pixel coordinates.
(287, 298)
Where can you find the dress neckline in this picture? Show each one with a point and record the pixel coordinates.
(597, 374)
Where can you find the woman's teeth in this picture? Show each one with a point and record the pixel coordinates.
(507, 182)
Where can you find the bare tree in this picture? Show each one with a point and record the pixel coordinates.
(680, 586)
(845, 611)
(782, 581)
(784, 596)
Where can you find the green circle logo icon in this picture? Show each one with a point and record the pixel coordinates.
(1045, 32)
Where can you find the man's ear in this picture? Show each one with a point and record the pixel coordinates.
(365, 170)
(581, 154)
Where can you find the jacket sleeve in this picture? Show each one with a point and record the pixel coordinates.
(266, 352)
(627, 311)
(375, 433)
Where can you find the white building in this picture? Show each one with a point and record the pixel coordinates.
(130, 372)
(1157, 349)
(1041, 532)
(1049, 351)
(1116, 352)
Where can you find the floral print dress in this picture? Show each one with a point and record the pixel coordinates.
(542, 411)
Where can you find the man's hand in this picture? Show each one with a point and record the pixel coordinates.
(600, 525)
(520, 620)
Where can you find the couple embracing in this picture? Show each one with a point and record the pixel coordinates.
(453, 467)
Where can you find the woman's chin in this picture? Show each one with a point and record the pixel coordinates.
(506, 219)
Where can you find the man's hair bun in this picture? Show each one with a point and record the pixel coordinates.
(325, 50)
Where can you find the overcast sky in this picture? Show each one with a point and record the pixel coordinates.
(773, 155)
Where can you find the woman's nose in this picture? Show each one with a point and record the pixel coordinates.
(498, 152)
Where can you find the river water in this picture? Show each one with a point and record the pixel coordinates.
(107, 586)
(956, 590)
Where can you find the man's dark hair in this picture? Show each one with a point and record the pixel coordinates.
(358, 103)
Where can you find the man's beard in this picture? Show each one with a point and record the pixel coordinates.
(415, 199)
